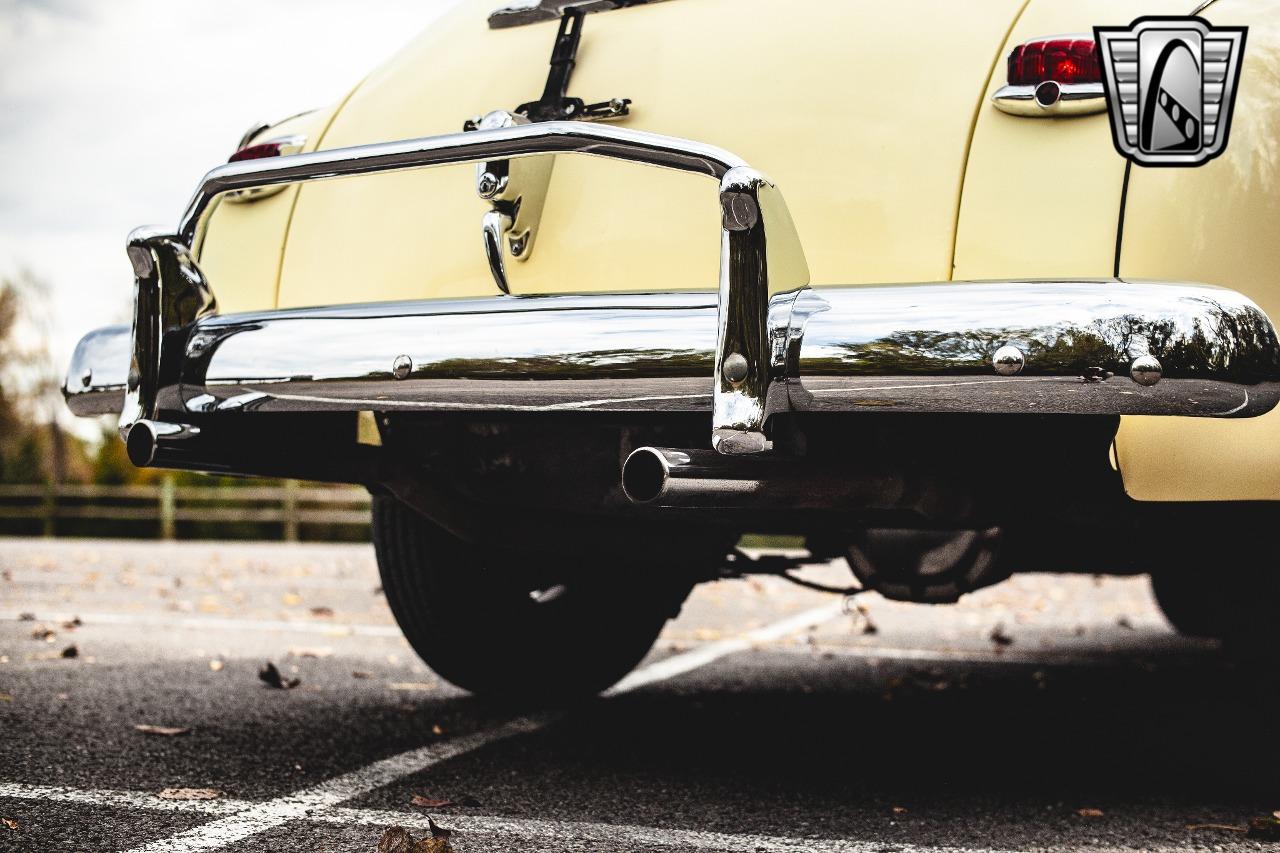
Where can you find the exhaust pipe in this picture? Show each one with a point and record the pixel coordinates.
(671, 477)
(143, 439)
(317, 446)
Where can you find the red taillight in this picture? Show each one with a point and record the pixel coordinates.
(1066, 61)
(257, 152)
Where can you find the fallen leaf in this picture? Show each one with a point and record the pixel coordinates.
(11, 824)
(26, 617)
(71, 651)
(395, 840)
(359, 673)
(311, 652)
(42, 632)
(322, 611)
(899, 810)
(6, 697)
(271, 676)
(864, 617)
(1265, 828)
(189, 794)
(1090, 812)
(428, 803)
(162, 731)
(411, 685)
(72, 623)
(999, 637)
(436, 730)
(216, 665)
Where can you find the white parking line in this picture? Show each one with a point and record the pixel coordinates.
(480, 826)
(209, 623)
(312, 803)
(118, 799)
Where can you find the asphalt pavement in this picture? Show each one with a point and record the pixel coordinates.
(1049, 713)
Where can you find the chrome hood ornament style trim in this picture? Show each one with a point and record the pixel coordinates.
(537, 11)
(1171, 84)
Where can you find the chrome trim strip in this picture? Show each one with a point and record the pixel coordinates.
(1193, 349)
(1074, 99)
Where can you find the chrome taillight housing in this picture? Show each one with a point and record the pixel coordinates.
(1053, 76)
(250, 148)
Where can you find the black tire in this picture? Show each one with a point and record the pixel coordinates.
(471, 614)
(1236, 603)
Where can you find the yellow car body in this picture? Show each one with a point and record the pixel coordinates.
(974, 340)
(880, 127)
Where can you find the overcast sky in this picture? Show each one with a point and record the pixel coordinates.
(111, 110)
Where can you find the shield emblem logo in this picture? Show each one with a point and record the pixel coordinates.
(1170, 84)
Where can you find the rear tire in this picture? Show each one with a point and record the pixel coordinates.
(501, 623)
(1235, 601)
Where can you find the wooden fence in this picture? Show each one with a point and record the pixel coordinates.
(163, 506)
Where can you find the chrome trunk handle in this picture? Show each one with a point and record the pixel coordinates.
(760, 254)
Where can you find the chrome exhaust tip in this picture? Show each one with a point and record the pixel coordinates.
(665, 476)
(646, 473)
(143, 438)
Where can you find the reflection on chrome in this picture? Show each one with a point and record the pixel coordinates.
(918, 348)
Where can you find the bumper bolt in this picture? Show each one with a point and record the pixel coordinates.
(1008, 360)
(487, 185)
(734, 368)
(1146, 370)
(401, 367)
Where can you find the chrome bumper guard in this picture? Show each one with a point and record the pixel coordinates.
(765, 343)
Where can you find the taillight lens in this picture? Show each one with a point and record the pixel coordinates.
(1066, 61)
(258, 151)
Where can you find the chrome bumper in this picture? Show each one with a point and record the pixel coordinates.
(916, 348)
(765, 343)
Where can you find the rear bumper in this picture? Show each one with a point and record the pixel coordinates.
(915, 348)
(764, 343)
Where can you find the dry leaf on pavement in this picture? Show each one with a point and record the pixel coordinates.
(162, 731)
(10, 824)
(1265, 828)
(322, 611)
(999, 637)
(6, 697)
(1090, 812)
(189, 794)
(395, 840)
(271, 677)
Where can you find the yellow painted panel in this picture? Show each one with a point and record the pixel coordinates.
(1218, 223)
(860, 113)
(1042, 195)
(245, 243)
